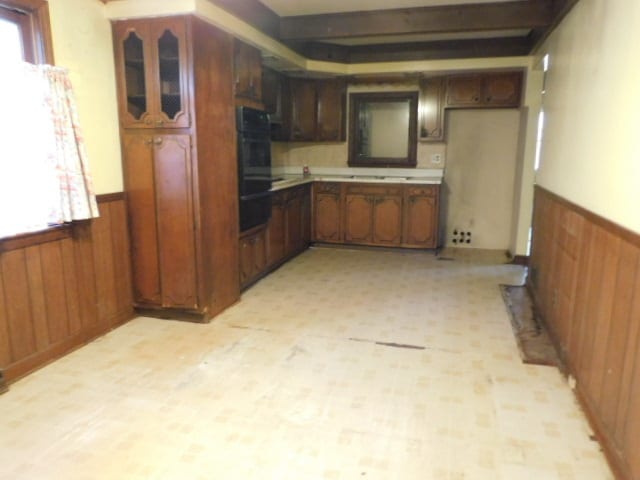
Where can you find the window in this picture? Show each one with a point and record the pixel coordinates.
(26, 178)
(25, 24)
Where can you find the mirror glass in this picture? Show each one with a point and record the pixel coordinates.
(382, 129)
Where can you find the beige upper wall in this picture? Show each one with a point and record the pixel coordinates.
(591, 146)
(82, 43)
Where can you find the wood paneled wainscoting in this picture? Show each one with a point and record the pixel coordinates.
(63, 287)
(585, 279)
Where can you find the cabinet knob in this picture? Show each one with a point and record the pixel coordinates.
(147, 121)
(159, 122)
(157, 141)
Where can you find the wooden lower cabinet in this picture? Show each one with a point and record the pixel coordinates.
(158, 173)
(420, 219)
(253, 254)
(373, 215)
(376, 214)
(327, 213)
(285, 235)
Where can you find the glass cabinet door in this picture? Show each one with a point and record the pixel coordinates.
(151, 58)
(133, 68)
(169, 35)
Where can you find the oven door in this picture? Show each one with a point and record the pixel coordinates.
(255, 210)
(254, 163)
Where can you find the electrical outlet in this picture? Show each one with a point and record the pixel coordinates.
(436, 158)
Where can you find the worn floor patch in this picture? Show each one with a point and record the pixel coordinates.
(533, 340)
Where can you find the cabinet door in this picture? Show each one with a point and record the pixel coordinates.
(432, 97)
(293, 223)
(141, 210)
(246, 259)
(134, 73)
(175, 220)
(464, 91)
(303, 110)
(247, 71)
(306, 216)
(275, 230)
(260, 252)
(421, 217)
(327, 213)
(331, 100)
(171, 102)
(387, 220)
(503, 89)
(358, 218)
(272, 94)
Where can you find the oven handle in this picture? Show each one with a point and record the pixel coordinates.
(253, 196)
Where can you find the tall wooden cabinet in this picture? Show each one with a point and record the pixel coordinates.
(176, 104)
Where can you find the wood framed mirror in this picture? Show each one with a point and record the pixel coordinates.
(383, 129)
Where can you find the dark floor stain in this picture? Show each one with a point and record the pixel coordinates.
(244, 327)
(388, 344)
(446, 259)
(400, 345)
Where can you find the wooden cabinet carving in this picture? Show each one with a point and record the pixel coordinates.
(484, 90)
(420, 217)
(182, 207)
(247, 70)
(327, 213)
(432, 98)
(151, 59)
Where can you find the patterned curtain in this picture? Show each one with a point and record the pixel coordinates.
(44, 175)
(75, 197)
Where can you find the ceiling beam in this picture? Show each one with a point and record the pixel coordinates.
(254, 13)
(402, 52)
(441, 19)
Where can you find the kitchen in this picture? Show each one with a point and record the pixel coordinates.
(82, 40)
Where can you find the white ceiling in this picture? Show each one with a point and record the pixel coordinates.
(286, 8)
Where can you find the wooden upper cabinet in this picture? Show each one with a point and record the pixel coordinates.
(272, 94)
(312, 110)
(464, 91)
(503, 89)
(331, 101)
(484, 90)
(247, 70)
(303, 110)
(431, 109)
(152, 73)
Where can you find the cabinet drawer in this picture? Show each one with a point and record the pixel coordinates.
(373, 189)
(429, 191)
(327, 187)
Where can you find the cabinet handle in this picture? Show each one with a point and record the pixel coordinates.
(148, 141)
(157, 141)
(159, 122)
(488, 99)
(147, 121)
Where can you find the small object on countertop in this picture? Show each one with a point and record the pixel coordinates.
(305, 171)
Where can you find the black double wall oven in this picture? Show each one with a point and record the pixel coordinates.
(254, 167)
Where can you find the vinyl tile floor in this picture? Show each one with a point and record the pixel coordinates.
(342, 364)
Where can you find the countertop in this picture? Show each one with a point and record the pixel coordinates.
(285, 179)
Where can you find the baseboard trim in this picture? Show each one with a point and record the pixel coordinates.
(520, 260)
